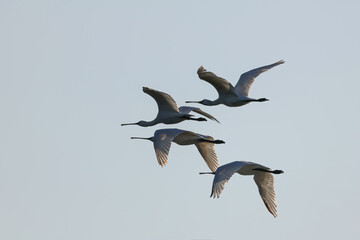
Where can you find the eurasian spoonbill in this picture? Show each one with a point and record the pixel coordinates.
(262, 175)
(162, 141)
(228, 94)
(169, 113)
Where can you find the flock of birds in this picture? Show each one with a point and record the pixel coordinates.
(231, 96)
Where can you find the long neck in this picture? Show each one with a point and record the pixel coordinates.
(206, 102)
(147, 124)
(143, 123)
(211, 103)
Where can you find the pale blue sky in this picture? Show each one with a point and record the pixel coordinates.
(72, 72)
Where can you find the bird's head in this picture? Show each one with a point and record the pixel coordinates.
(142, 123)
(139, 123)
(149, 138)
(206, 102)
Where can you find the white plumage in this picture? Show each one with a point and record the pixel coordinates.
(262, 176)
(228, 94)
(163, 138)
(169, 113)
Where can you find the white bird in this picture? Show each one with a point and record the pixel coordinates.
(228, 94)
(169, 113)
(262, 175)
(162, 141)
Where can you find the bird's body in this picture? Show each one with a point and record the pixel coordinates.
(262, 176)
(169, 113)
(228, 94)
(162, 141)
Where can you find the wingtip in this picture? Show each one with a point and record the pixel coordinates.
(214, 195)
(201, 69)
(214, 119)
(268, 208)
(161, 163)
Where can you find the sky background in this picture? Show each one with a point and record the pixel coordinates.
(73, 71)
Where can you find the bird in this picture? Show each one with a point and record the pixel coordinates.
(262, 175)
(162, 141)
(169, 113)
(228, 94)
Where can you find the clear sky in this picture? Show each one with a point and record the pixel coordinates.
(73, 71)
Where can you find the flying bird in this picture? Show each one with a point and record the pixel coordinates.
(228, 94)
(262, 175)
(162, 141)
(169, 113)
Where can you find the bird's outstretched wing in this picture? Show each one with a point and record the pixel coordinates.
(222, 176)
(164, 101)
(207, 151)
(162, 143)
(246, 79)
(265, 183)
(222, 85)
(186, 110)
